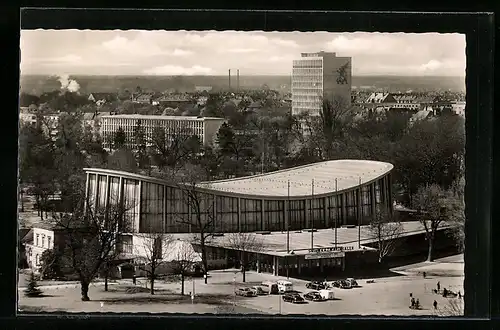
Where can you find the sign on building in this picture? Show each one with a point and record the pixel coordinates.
(325, 255)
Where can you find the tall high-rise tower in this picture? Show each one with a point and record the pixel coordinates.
(318, 76)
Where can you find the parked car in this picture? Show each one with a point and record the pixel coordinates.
(294, 298)
(245, 292)
(258, 290)
(270, 287)
(342, 284)
(352, 282)
(315, 285)
(327, 294)
(285, 286)
(314, 296)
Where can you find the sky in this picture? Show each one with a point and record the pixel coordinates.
(134, 52)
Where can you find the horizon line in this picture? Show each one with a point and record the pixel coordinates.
(223, 75)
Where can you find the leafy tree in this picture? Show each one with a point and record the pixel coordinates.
(32, 290)
(123, 160)
(119, 138)
(213, 107)
(50, 265)
(25, 99)
(37, 165)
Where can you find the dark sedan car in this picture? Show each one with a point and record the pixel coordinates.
(315, 285)
(342, 284)
(314, 296)
(294, 298)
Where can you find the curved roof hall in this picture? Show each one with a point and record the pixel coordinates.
(348, 173)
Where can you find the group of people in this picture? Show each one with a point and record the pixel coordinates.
(415, 303)
(446, 292)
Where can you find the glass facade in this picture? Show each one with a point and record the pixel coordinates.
(156, 207)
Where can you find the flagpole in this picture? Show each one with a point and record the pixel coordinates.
(336, 211)
(312, 214)
(359, 215)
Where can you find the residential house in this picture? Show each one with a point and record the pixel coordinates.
(173, 100)
(145, 98)
(42, 237)
(101, 98)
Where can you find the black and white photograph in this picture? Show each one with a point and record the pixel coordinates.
(241, 172)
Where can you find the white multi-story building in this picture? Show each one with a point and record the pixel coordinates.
(316, 76)
(205, 128)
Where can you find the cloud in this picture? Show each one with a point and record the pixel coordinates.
(181, 52)
(174, 70)
(240, 50)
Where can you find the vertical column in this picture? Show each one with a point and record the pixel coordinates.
(177, 203)
(106, 193)
(389, 189)
(373, 199)
(262, 214)
(308, 210)
(321, 266)
(326, 216)
(214, 213)
(343, 197)
(239, 214)
(299, 264)
(258, 263)
(87, 183)
(275, 265)
(285, 209)
(164, 215)
(358, 206)
(139, 209)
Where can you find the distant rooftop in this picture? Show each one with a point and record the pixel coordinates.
(348, 174)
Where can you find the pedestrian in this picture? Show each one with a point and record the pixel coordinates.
(411, 295)
(438, 286)
(134, 280)
(424, 274)
(435, 304)
(459, 295)
(417, 303)
(445, 292)
(412, 301)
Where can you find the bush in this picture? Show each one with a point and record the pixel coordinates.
(32, 290)
(51, 265)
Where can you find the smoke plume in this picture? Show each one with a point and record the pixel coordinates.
(68, 84)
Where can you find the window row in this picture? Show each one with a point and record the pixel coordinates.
(150, 207)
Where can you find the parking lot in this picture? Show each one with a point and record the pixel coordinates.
(386, 296)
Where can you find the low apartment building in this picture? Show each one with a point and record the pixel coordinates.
(205, 128)
(40, 238)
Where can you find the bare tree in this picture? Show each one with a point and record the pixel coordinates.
(386, 230)
(244, 243)
(152, 247)
(92, 234)
(184, 258)
(453, 307)
(433, 206)
(201, 217)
